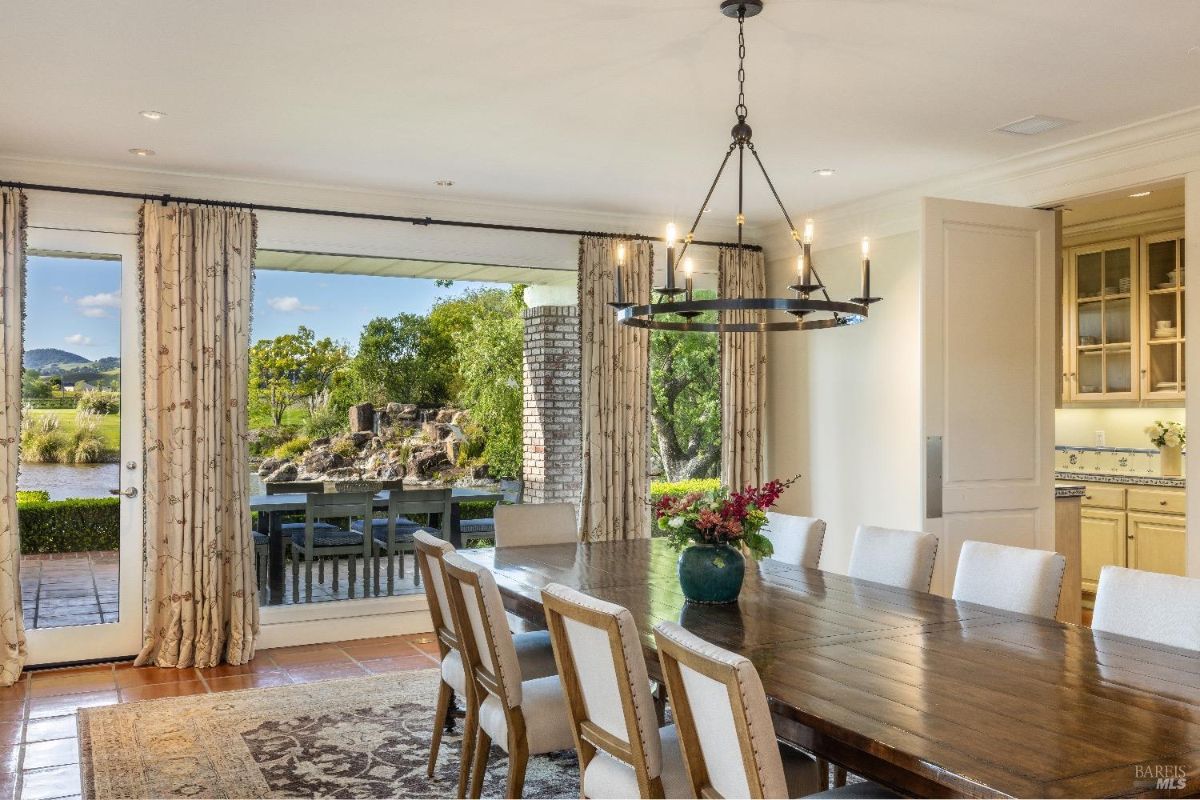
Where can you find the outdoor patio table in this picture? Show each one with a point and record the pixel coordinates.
(271, 509)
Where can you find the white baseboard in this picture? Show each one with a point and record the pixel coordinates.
(343, 620)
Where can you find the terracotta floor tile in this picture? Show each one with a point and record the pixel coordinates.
(12, 710)
(156, 690)
(146, 676)
(398, 664)
(260, 664)
(321, 672)
(10, 732)
(61, 727)
(426, 643)
(17, 691)
(368, 651)
(46, 684)
(8, 785)
(247, 681)
(50, 754)
(10, 758)
(60, 704)
(43, 784)
(288, 658)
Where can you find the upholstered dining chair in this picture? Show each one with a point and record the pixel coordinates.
(1018, 579)
(1164, 609)
(895, 557)
(725, 728)
(318, 541)
(523, 715)
(622, 751)
(797, 540)
(536, 523)
(534, 652)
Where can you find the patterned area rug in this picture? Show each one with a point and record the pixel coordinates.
(363, 737)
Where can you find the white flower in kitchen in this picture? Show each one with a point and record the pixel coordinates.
(1167, 434)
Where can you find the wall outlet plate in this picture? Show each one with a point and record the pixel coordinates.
(1099, 438)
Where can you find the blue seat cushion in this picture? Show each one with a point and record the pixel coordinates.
(405, 528)
(483, 525)
(290, 528)
(260, 538)
(329, 538)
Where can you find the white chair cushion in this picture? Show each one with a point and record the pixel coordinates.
(547, 723)
(897, 558)
(1148, 605)
(1016, 579)
(797, 540)
(536, 523)
(859, 790)
(606, 778)
(534, 654)
(487, 612)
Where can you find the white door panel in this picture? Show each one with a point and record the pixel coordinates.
(988, 321)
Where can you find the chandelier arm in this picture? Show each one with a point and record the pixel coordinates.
(771, 185)
(712, 188)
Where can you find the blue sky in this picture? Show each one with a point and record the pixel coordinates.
(74, 304)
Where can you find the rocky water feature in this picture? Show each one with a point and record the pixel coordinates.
(398, 441)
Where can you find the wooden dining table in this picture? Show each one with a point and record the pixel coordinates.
(272, 507)
(928, 696)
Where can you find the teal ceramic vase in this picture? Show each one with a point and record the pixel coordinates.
(711, 573)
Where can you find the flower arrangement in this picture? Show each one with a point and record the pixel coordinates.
(1167, 434)
(720, 516)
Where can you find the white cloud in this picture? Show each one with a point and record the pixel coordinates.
(94, 313)
(78, 339)
(289, 304)
(96, 306)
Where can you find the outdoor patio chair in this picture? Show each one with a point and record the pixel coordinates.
(262, 544)
(392, 535)
(297, 487)
(485, 527)
(314, 542)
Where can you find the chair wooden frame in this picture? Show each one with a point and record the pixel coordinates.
(481, 680)
(590, 737)
(342, 505)
(670, 656)
(402, 503)
(448, 642)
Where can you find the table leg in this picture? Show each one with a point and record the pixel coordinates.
(456, 526)
(275, 569)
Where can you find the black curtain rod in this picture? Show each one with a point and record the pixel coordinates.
(326, 212)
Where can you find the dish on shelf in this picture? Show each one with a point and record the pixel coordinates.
(1165, 333)
(1088, 341)
(1166, 285)
(1086, 389)
(1165, 385)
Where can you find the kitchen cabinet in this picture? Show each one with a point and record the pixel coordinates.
(1131, 526)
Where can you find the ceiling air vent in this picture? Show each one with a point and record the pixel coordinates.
(1032, 126)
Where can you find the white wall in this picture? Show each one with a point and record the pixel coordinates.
(1123, 427)
(844, 404)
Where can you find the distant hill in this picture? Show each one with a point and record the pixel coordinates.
(48, 356)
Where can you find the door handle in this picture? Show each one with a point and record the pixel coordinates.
(130, 492)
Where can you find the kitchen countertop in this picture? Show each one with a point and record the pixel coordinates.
(1062, 490)
(1121, 478)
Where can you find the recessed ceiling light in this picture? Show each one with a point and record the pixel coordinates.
(141, 152)
(444, 183)
(707, 209)
(155, 115)
(1140, 194)
(824, 172)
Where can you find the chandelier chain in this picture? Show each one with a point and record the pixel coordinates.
(740, 110)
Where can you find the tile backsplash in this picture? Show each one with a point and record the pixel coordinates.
(1110, 460)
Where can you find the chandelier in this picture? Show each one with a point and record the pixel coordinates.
(810, 307)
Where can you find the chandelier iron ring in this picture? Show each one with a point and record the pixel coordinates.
(841, 312)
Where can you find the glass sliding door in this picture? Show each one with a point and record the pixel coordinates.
(81, 448)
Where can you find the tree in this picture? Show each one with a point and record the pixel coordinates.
(404, 359)
(34, 385)
(685, 411)
(292, 368)
(452, 317)
(489, 365)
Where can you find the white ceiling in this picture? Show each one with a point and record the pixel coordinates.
(603, 105)
(413, 268)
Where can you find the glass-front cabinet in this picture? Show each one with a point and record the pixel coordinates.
(1123, 309)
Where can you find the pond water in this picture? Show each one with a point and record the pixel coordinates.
(64, 481)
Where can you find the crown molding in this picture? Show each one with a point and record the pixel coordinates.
(1152, 150)
(1144, 222)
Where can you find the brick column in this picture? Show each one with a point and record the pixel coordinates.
(553, 427)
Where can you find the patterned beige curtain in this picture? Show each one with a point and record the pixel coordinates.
(12, 326)
(616, 393)
(743, 371)
(201, 603)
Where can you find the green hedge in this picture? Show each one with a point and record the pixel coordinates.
(679, 488)
(69, 526)
(51, 402)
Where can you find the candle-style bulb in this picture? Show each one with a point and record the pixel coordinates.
(687, 267)
(866, 247)
(620, 255)
(800, 264)
(808, 231)
(670, 234)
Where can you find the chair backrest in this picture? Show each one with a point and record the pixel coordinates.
(513, 490)
(430, 551)
(721, 713)
(339, 505)
(1016, 579)
(536, 523)
(488, 651)
(1159, 608)
(419, 501)
(604, 678)
(296, 487)
(895, 557)
(797, 540)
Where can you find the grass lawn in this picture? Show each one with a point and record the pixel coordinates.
(110, 424)
(294, 417)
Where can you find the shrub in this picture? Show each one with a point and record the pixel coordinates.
(344, 448)
(66, 401)
(32, 496)
(659, 489)
(98, 402)
(326, 422)
(42, 442)
(67, 526)
(292, 447)
(86, 445)
(266, 440)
